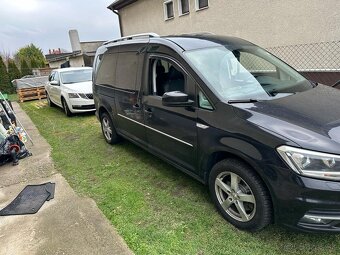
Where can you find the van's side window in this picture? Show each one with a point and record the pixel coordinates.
(203, 101)
(106, 70)
(166, 77)
(126, 73)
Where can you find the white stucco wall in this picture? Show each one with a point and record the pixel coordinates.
(267, 23)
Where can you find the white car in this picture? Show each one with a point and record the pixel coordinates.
(71, 89)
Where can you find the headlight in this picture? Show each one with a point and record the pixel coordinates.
(73, 95)
(311, 163)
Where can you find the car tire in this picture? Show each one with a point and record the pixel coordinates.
(108, 129)
(49, 102)
(65, 107)
(240, 195)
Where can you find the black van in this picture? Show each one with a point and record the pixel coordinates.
(263, 138)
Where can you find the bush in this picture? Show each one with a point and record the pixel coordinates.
(5, 85)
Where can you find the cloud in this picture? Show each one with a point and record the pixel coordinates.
(46, 22)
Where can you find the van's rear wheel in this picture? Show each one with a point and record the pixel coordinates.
(108, 129)
(240, 195)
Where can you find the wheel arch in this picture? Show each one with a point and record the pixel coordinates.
(102, 110)
(218, 156)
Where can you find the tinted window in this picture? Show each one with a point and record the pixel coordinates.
(106, 70)
(126, 73)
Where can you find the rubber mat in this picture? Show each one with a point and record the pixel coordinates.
(30, 199)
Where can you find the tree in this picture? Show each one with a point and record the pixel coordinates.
(34, 63)
(24, 68)
(13, 71)
(5, 85)
(32, 55)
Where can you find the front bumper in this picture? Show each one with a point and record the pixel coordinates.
(81, 105)
(304, 203)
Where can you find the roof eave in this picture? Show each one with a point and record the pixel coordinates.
(119, 4)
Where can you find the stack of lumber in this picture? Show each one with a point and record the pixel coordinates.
(26, 94)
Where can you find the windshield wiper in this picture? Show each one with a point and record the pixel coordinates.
(240, 101)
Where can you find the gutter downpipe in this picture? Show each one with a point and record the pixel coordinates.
(120, 22)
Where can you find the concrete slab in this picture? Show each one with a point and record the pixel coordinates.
(67, 224)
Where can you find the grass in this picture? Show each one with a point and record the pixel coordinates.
(156, 208)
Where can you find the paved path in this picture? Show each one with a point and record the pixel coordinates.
(67, 224)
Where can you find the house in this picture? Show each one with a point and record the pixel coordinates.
(304, 33)
(82, 53)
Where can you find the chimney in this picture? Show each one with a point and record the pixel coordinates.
(74, 39)
(49, 51)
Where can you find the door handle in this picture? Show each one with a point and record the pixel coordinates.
(136, 106)
(148, 112)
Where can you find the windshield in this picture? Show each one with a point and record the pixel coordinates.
(75, 76)
(246, 73)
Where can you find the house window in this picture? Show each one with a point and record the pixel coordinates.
(202, 4)
(183, 7)
(169, 10)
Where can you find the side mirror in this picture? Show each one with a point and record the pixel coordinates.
(54, 83)
(177, 99)
(336, 85)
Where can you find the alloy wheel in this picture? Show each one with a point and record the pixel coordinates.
(107, 130)
(235, 196)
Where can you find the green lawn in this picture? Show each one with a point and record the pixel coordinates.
(156, 208)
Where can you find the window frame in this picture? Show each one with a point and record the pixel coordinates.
(180, 11)
(165, 7)
(197, 6)
(174, 62)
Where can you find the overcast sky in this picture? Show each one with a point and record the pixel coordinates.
(46, 23)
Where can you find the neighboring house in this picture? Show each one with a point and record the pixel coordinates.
(82, 53)
(305, 33)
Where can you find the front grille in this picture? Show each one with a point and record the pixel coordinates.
(89, 96)
(84, 107)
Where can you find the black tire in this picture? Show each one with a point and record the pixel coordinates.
(49, 102)
(108, 129)
(65, 107)
(257, 211)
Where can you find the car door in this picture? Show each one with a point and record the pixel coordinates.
(53, 88)
(57, 89)
(127, 92)
(171, 131)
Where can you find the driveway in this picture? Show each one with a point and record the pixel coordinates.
(67, 224)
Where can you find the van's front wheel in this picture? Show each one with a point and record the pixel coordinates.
(108, 129)
(240, 195)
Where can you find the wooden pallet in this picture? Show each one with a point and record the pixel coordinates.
(31, 94)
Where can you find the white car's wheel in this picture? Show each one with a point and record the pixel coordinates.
(65, 107)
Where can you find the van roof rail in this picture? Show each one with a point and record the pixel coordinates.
(131, 37)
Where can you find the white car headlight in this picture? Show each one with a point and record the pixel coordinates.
(311, 163)
(73, 95)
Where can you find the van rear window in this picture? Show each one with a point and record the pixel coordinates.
(106, 70)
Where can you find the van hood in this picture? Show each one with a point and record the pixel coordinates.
(79, 87)
(311, 119)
